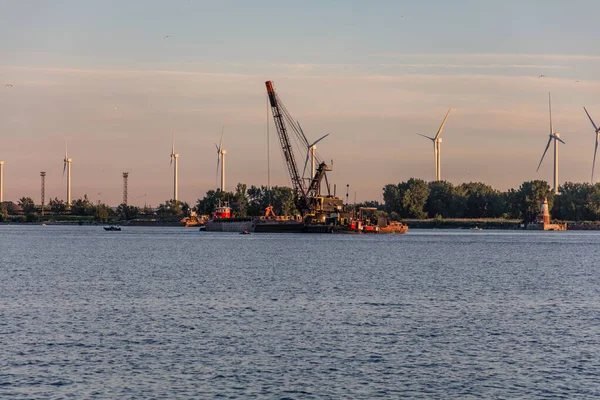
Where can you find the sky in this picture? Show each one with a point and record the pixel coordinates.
(116, 80)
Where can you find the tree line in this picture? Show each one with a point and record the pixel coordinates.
(418, 199)
(82, 207)
(414, 198)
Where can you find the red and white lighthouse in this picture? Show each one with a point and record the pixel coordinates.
(544, 216)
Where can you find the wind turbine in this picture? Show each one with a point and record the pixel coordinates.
(67, 167)
(175, 157)
(311, 148)
(221, 159)
(437, 146)
(597, 131)
(556, 137)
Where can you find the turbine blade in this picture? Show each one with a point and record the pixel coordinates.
(305, 164)
(594, 162)
(430, 138)
(302, 132)
(550, 111)
(318, 140)
(591, 120)
(559, 139)
(221, 141)
(217, 146)
(173, 146)
(64, 167)
(439, 132)
(547, 146)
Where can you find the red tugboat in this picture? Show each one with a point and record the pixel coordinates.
(223, 220)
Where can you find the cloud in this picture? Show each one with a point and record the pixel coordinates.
(519, 56)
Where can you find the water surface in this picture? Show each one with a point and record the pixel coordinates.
(176, 313)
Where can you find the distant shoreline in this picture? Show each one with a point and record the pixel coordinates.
(491, 224)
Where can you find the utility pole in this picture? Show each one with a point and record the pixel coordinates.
(43, 190)
(125, 177)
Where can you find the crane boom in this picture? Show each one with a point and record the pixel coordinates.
(284, 140)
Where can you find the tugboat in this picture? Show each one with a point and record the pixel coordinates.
(223, 220)
(112, 228)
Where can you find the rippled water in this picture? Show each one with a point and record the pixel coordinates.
(175, 313)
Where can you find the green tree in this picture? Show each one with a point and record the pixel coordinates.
(27, 204)
(126, 212)
(592, 203)
(527, 198)
(102, 212)
(171, 208)
(412, 196)
(239, 204)
(444, 200)
(572, 203)
(3, 212)
(56, 205)
(281, 198)
(483, 201)
(391, 197)
(82, 206)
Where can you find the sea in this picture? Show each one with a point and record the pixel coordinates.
(174, 313)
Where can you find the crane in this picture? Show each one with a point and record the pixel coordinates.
(303, 193)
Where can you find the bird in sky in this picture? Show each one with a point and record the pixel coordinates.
(166, 36)
(8, 85)
(542, 76)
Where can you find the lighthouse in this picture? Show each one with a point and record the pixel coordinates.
(544, 216)
(542, 220)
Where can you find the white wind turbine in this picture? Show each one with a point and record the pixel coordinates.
(221, 159)
(311, 148)
(597, 131)
(437, 147)
(556, 137)
(67, 167)
(175, 161)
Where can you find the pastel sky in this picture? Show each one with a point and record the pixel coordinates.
(117, 79)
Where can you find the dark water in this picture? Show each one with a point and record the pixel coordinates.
(174, 313)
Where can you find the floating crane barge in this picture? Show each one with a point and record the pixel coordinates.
(319, 213)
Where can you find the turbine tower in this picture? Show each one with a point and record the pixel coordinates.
(1, 181)
(556, 137)
(221, 159)
(175, 157)
(43, 190)
(125, 177)
(67, 167)
(437, 146)
(597, 132)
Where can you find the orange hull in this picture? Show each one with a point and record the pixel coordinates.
(394, 227)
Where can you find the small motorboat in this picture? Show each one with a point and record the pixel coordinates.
(112, 228)
(244, 232)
